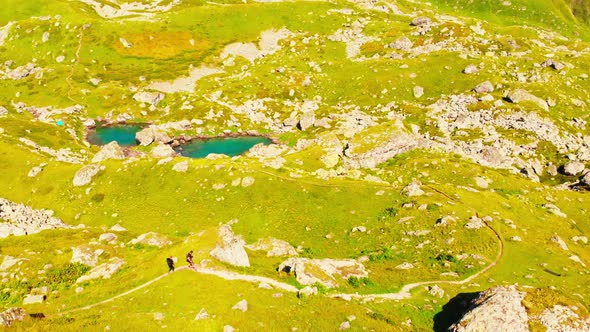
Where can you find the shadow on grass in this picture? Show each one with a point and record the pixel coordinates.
(453, 311)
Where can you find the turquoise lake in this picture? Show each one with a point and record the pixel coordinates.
(229, 146)
(122, 134)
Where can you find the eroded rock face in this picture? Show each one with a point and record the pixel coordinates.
(85, 174)
(496, 309)
(230, 248)
(18, 219)
(325, 271)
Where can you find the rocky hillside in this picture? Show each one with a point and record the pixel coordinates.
(413, 155)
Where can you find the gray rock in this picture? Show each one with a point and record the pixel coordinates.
(162, 151)
(25, 220)
(485, 87)
(323, 271)
(202, 314)
(242, 306)
(12, 315)
(402, 43)
(230, 249)
(247, 181)
(471, 69)
(436, 291)
(413, 189)
(553, 64)
(153, 98)
(307, 291)
(585, 180)
(85, 255)
(273, 247)
(32, 299)
(34, 171)
(420, 21)
(418, 91)
(109, 151)
(158, 316)
(85, 174)
(307, 120)
(152, 239)
(149, 135)
(573, 168)
(496, 309)
(103, 271)
(3, 111)
(9, 262)
(108, 237)
(518, 96)
(181, 167)
(344, 325)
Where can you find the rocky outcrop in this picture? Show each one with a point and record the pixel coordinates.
(109, 151)
(273, 247)
(85, 255)
(152, 239)
(12, 315)
(573, 168)
(104, 271)
(325, 271)
(230, 248)
(18, 219)
(562, 318)
(85, 174)
(496, 309)
(152, 98)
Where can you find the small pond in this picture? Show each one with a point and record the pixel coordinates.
(124, 134)
(229, 146)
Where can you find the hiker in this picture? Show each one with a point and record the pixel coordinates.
(189, 259)
(170, 261)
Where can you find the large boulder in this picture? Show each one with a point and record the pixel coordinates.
(413, 189)
(32, 299)
(152, 239)
(324, 271)
(104, 271)
(573, 168)
(149, 135)
(163, 151)
(85, 174)
(307, 120)
(153, 98)
(518, 96)
(230, 248)
(273, 247)
(11, 315)
(109, 151)
(496, 309)
(485, 87)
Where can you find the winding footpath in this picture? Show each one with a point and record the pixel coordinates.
(403, 293)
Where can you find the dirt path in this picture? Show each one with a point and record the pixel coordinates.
(403, 293)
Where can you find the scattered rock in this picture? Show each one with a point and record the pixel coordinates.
(12, 315)
(104, 271)
(403, 43)
(553, 64)
(418, 91)
(573, 168)
(23, 220)
(35, 171)
(152, 98)
(85, 174)
(9, 262)
(413, 189)
(481, 182)
(152, 239)
(273, 247)
(242, 306)
(420, 21)
(360, 229)
(149, 135)
(344, 325)
(32, 299)
(307, 291)
(485, 87)
(230, 249)
(118, 228)
(405, 266)
(470, 69)
(202, 315)
(518, 96)
(307, 120)
(181, 167)
(436, 291)
(247, 181)
(556, 239)
(475, 223)
(85, 255)
(562, 318)
(162, 151)
(108, 237)
(109, 151)
(158, 316)
(309, 271)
